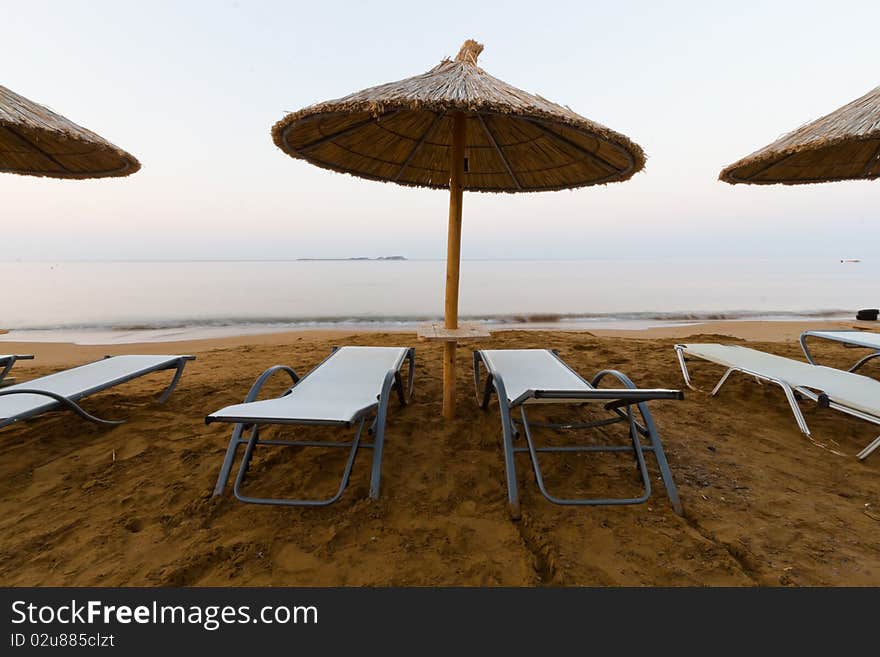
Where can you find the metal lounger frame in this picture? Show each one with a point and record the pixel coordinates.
(391, 382)
(7, 363)
(70, 402)
(791, 394)
(616, 399)
(818, 334)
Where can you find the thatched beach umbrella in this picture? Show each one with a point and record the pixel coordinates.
(844, 145)
(35, 141)
(457, 127)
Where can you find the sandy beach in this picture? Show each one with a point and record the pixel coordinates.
(132, 505)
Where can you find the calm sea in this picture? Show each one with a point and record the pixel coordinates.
(128, 301)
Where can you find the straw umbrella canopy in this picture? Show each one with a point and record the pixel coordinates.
(843, 145)
(35, 141)
(458, 128)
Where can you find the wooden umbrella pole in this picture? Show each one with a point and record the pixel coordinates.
(453, 259)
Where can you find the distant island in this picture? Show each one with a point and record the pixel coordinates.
(395, 257)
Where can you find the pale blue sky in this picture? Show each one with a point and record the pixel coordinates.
(192, 89)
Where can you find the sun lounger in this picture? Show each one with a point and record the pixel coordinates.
(850, 339)
(349, 387)
(64, 389)
(8, 360)
(522, 377)
(847, 392)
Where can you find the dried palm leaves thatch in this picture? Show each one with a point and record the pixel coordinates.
(35, 141)
(844, 145)
(402, 132)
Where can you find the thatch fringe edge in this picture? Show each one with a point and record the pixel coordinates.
(634, 152)
(727, 173)
(98, 143)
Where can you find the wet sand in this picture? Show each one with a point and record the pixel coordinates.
(132, 505)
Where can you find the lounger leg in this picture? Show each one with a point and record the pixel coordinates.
(484, 395)
(411, 373)
(379, 440)
(392, 380)
(510, 465)
(236, 439)
(174, 381)
(507, 433)
(660, 455)
(865, 453)
(806, 350)
(487, 393)
(789, 395)
(398, 385)
(684, 370)
(5, 370)
(792, 401)
(248, 454)
(376, 470)
(636, 448)
(650, 430)
(228, 460)
(722, 382)
(638, 452)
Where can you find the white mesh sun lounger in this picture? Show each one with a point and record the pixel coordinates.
(351, 385)
(8, 360)
(522, 377)
(852, 338)
(64, 389)
(847, 392)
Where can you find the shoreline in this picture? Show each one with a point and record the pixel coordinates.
(65, 352)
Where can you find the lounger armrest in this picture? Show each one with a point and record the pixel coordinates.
(627, 383)
(611, 394)
(644, 395)
(259, 383)
(616, 397)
